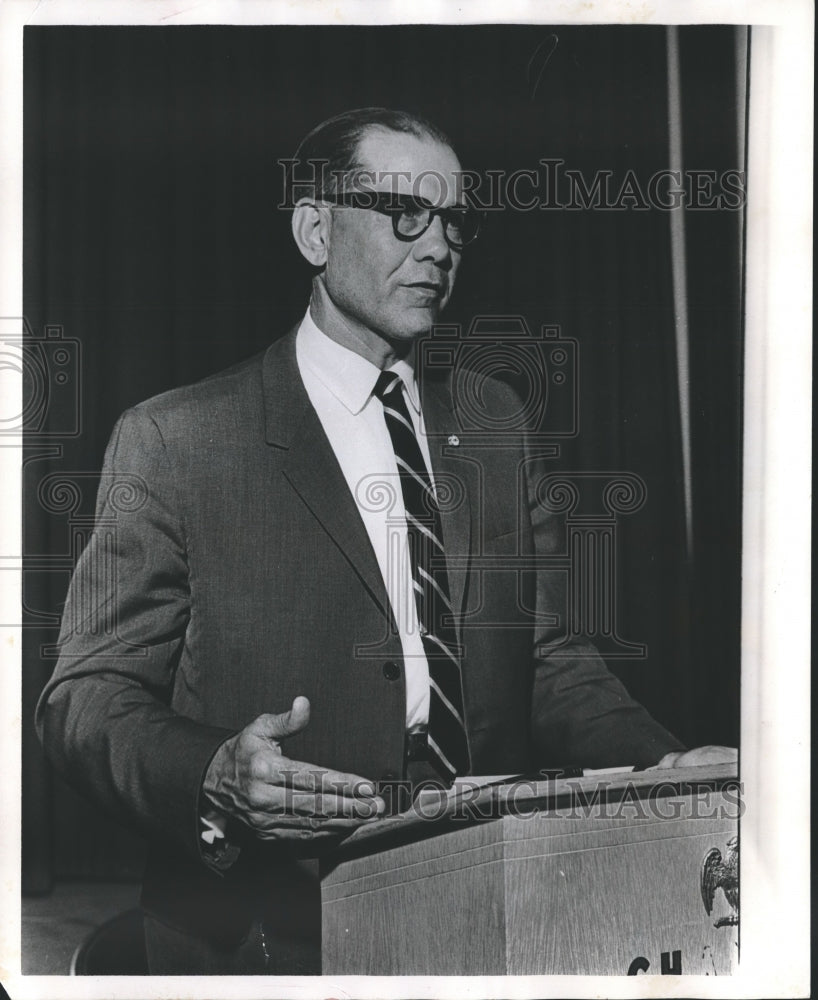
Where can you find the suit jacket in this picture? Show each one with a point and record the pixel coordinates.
(230, 571)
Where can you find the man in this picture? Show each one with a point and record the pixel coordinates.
(289, 612)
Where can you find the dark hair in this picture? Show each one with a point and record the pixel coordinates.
(327, 157)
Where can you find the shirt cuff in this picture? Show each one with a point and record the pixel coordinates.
(217, 850)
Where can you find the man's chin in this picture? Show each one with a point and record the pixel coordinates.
(414, 323)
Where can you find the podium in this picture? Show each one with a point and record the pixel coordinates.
(615, 874)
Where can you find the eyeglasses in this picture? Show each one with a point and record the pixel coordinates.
(411, 216)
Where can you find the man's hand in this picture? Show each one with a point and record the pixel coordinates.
(251, 780)
(698, 757)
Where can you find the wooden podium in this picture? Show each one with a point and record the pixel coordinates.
(613, 874)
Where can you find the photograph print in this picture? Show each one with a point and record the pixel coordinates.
(382, 497)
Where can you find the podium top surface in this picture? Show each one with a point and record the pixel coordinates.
(473, 801)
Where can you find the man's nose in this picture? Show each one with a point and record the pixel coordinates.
(432, 245)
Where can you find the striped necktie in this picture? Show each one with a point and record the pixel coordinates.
(447, 735)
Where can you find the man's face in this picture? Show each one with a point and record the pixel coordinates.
(394, 289)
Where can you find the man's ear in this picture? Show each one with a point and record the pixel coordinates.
(311, 226)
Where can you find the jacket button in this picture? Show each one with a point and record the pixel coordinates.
(391, 670)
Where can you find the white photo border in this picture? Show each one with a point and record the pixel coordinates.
(775, 761)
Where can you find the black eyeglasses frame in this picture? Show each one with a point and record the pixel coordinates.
(394, 205)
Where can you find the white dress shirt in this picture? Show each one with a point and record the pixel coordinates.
(339, 383)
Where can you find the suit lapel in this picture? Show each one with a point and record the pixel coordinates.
(450, 473)
(310, 464)
(312, 470)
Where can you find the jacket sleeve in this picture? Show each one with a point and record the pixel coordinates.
(581, 713)
(104, 717)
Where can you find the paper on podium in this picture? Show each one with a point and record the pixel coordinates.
(482, 780)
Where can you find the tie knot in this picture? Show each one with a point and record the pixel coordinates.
(387, 382)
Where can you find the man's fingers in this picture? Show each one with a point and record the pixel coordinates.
(279, 727)
(302, 836)
(300, 776)
(265, 823)
(299, 714)
(277, 801)
(700, 756)
(284, 828)
(697, 757)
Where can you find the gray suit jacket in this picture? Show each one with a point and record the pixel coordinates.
(231, 571)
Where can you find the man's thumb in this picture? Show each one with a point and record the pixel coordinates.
(279, 727)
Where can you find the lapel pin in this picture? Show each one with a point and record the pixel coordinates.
(454, 440)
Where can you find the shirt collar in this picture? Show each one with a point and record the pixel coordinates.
(346, 374)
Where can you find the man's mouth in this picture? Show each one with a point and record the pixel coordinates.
(432, 287)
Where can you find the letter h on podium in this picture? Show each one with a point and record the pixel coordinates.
(591, 502)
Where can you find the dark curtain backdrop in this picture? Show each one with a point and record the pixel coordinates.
(154, 249)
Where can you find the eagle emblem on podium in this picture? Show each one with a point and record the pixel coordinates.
(721, 873)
